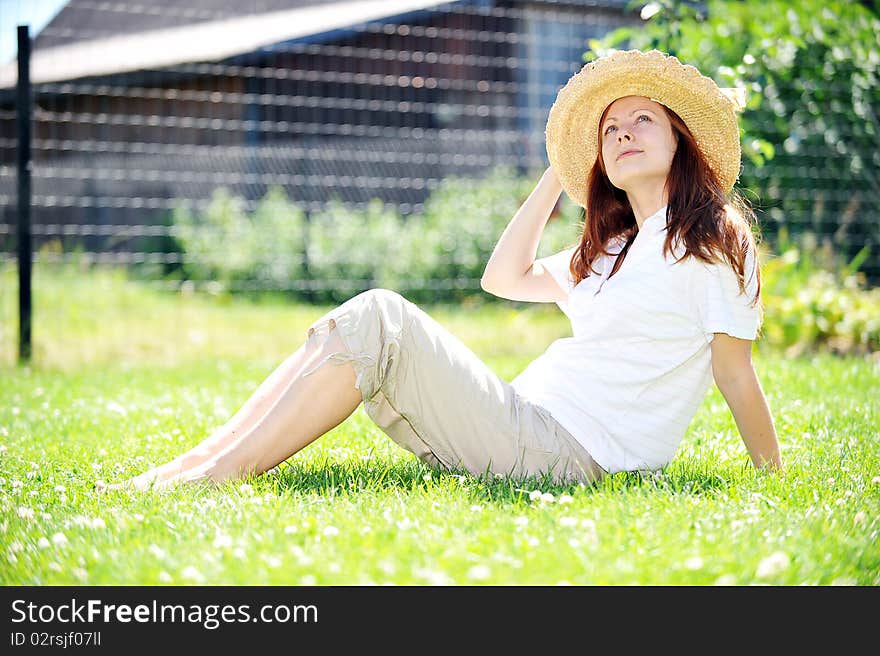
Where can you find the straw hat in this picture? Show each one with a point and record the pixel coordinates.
(572, 133)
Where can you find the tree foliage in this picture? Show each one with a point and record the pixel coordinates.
(810, 129)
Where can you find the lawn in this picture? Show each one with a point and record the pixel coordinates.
(125, 376)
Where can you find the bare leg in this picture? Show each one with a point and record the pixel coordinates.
(306, 409)
(249, 413)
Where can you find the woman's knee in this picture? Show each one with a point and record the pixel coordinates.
(388, 304)
(382, 295)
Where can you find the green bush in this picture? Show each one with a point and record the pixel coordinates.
(452, 240)
(224, 244)
(812, 299)
(353, 250)
(810, 305)
(436, 256)
(810, 131)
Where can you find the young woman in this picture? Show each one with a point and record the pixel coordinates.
(662, 290)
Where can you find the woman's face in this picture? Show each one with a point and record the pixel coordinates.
(638, 142)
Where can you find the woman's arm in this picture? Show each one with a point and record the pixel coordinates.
(736, 379)
(752, 415)
(515, 251)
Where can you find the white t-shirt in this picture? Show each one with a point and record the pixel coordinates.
(632, 377)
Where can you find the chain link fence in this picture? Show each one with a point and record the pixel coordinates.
(145, 112)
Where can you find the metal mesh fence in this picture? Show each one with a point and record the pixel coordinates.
(144, 110)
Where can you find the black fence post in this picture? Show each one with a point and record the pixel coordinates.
(23, 104)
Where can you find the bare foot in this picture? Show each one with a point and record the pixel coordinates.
(171, 469)
(152, 485)
(151, 479)
(128, 485)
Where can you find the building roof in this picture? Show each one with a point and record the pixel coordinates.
(205, 40)
(81, 20)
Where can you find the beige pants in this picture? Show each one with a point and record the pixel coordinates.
(433, 396)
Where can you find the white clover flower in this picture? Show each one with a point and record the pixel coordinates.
(32, 475)
(568, 521)
(479, 573)
(98, 523)
(15, 547)
(773, 564)
(330, 531)
(245, 488)
(875, 480)
(80, 573)
(55, 567)
(192, 574)
(308, 579)
(273, 561)
(3, 448)
(17, 484)
(588, 524)
(113, 406)
(860, 518)
(165, 577)
(547, 498)
(222, 541)
(521, 520)
(405, 523)
(726, 580)
(60, 488)
(566, 498)
(43, 543)
(239, 553)
(534, 494)
(288, 530)
(476, 508)
(157, 552)
(59, 539)
(694, 563)
(433, 577)
(25, 513)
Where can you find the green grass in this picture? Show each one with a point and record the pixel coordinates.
(125, 377)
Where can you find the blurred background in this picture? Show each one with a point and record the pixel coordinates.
(314, 149)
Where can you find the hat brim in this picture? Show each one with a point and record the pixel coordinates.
(573, 123)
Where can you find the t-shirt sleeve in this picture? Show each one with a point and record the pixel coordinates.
(558, 266)
(722, 307)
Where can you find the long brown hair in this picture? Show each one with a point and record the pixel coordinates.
(712, 226)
